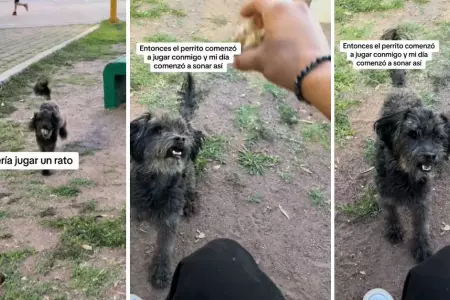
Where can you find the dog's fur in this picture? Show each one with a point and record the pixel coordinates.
(395, 34)
(47, 124)
(164, 149)
(41, 88)
(412, 142)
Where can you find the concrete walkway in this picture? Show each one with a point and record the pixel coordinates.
(57, 12)
(47, 24)
(21, 44)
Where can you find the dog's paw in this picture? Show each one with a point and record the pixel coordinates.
(191, 207)
(190, 210)
(421, 251)
(161, 277)
(395, 234)
(200, 136)
(138, 216)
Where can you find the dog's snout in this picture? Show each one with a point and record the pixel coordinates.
(430, 156)
(180, 139)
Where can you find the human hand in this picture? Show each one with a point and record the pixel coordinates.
(293, 38)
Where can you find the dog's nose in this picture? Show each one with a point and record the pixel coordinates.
(180, 139)
(430, 156)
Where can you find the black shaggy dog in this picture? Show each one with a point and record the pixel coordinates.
(41, 88)
(47, 125)
(164, 149)
(412, 142)
(398, 76)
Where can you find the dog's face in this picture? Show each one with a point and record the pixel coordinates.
(398, 77)
(44, 122)
(417, 138)
(163, 144)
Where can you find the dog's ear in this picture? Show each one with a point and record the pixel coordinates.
(137, 129)
(32, 123)
(386, 127)
(446, 120)
(54, 119)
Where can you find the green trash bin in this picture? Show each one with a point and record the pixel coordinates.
(115, 83)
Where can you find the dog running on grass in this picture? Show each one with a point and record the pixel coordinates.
(164, 149)
(47, 124)
(412, 142)
(41, 88)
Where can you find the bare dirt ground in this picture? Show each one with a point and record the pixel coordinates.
(364, 259)
(294, 252)
(63, 236)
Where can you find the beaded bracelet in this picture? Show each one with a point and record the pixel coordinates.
(306, 71)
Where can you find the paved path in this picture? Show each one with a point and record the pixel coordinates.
(47, 24)
(21, 44)
(57, 12)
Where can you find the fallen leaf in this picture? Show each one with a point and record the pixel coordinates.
(362, 272)
(200, 235)
(284, 212)
(445, 227)
(86, 247)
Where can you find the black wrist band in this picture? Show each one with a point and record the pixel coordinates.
(306, 71)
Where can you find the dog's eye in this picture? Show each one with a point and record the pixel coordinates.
(413, 134)
(157, 129)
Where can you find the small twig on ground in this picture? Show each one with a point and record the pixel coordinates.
(283, 212)
(362, 173)
(290, 139)
(306, 170)
(366, 171)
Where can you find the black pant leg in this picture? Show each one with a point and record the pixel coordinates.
(429, 280)
(221, 270)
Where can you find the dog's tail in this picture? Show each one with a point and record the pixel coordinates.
(41, 88)
(188, 101)
(398, 76)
